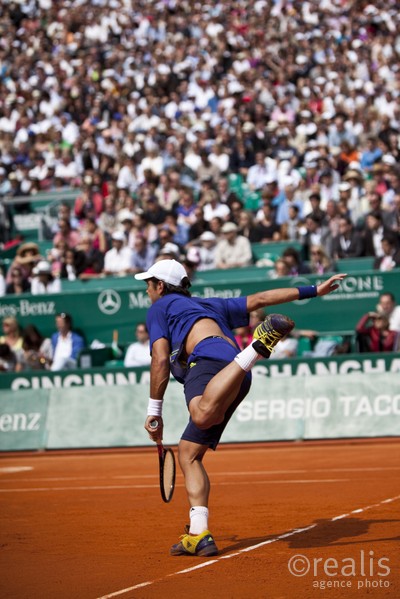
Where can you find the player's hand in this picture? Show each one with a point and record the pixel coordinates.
(155, 434)
(330, 285)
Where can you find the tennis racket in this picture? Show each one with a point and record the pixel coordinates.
(167, 465)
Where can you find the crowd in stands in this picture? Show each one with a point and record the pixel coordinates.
(194, 130)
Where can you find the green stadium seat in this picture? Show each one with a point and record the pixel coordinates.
(349, 265)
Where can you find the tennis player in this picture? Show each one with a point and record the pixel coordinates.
(192, 338)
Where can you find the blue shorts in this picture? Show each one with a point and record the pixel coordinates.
(201, 370)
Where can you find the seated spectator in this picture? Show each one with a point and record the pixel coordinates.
(374, 334)
(66, 344)
(233, 250)
(199, 226)
(91, 229)
(267, 225)
(212, 207)
(281, 269)
(73, 261)
(248, 228)
(18, 284)
(8, 359)
(108, 219)
(348, 243)
(143, 255)
(315, 232)
(11, 333)
(387, 306)
(291, 229)
(26, 258)
(373, 233)
(71, 236)
(296, 264)
(138, 353)
(391, 254)
(43, 280)
(142, 226)
(320, 263)
(37, 352)
(118, 260)
(206, 251)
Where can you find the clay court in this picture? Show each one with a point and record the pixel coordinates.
(90, 525)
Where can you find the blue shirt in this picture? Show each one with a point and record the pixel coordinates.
(172, 316)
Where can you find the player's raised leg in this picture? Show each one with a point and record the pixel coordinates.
(210, 407)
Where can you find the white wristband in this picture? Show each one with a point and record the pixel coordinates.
(154, 407)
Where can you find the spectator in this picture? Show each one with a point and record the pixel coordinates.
(138, 353)
(66, 344)
(268, 228)
(95, 233)
(391, 254)
(281, 268)
(248, 228)
(316, 233)
(143, 255)
(374, 334)
(320, 263)
(8, 359)
(71, 236)
(11, 334)
(296, 264)
(207, 251)
(373, 232)
(259, 174)
(72, 261)
(387, 306)
(26, 258)
(118, 260)
(18, 284)
(348, 243)
(233, 250)
(43, 280)
(212, 207)
(37, 352)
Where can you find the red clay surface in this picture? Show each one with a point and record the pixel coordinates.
(91, 525)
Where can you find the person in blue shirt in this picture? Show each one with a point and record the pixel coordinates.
(193, 339)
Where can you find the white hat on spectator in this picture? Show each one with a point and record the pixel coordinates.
(42, 267)
(229, 228)
(118, 236)
(207, 236)
(125, 214)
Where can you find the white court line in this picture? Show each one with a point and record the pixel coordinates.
(223, 473)
(221, 484)
(286, 535)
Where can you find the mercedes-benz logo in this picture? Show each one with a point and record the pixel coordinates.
(109, 301)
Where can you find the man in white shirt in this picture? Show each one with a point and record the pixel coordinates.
(118, 260)
(138, 354)
(234, 250)
(387, 306)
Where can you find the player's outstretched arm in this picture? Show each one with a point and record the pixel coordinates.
(274, 297)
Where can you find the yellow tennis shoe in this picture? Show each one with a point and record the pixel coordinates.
(274, 328)
(202, 545)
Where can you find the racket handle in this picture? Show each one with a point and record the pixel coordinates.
(154, 424)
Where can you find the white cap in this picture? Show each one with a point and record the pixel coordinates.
(229, 227)
(42, 267)
(118, 236)
(207, 236)
(169, 271)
